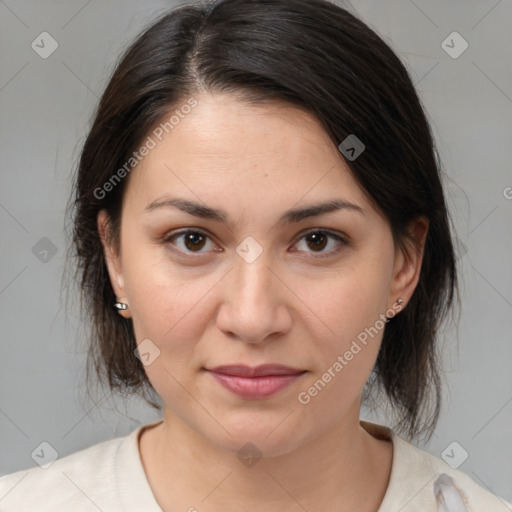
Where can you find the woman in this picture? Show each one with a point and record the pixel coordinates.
(263, 243)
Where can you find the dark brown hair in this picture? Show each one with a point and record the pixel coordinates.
(314, 55)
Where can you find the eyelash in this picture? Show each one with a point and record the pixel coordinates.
(343, 241)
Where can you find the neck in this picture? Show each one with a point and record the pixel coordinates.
(343, 469)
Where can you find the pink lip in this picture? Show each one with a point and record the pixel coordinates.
(259, 382)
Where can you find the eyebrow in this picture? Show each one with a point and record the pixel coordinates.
(290, 216)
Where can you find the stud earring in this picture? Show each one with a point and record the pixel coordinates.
(398, 302)
(121, 306)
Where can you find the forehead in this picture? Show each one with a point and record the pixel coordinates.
(225, 149)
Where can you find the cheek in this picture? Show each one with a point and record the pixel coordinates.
(168, 310)
(174, 319)
(346, 330)
(348, 303)
(343, 361)
(171, 308)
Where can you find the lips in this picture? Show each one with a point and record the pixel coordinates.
(255, 382)
(257, 371)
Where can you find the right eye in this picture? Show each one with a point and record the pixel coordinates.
(188, 241)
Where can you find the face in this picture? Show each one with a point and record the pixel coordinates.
(249, 284)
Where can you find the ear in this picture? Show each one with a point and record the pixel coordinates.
(113, 261)
(407, 268)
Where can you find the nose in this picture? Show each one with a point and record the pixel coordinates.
(254, 302)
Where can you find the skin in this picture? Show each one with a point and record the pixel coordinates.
(289, 306)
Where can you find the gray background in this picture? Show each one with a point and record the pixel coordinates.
(46, 106)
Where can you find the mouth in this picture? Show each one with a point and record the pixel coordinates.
(262, 370)
(255, 382)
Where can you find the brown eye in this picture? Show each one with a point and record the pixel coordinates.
(317, 241)
(194, 241)
(189, 241)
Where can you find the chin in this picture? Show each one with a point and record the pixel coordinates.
(269, 433)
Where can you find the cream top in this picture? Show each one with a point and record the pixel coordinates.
(109, 476)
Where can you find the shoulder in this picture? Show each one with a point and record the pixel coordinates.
(422, 482)
(436, 483)
(83, 479)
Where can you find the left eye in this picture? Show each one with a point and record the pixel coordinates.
(193, 241)
(319, 239)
